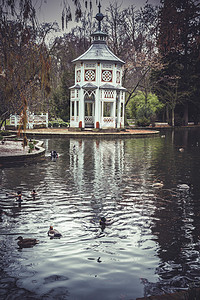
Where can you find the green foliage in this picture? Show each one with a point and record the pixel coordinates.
(58, 123)
(178, 43)
(61, 98)
(143, 108)
(143, 122)
(31, 147)
(4, 133)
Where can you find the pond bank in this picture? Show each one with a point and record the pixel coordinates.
(60, 132)
(13, 151)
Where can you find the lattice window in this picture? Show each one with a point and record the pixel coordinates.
(90, 75)
(78, 75)
(109, 94)
(108, 119)
(107, 66)
(106, 75)
(90, 65)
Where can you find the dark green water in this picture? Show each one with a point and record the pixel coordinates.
(151, 244)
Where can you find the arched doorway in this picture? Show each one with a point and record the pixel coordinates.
(89, 102)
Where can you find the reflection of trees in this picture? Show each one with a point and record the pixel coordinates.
(176, 228)
(175, 214)
(141, 157)
(95, 177)
(176, 218)
(29, 175)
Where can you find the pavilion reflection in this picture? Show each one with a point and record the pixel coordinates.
(90, 160)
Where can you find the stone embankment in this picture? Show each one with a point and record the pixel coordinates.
(13, 151)
(60, 132)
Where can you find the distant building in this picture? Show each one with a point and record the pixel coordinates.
(97, 98)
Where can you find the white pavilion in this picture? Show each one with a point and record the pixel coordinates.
(97, 99)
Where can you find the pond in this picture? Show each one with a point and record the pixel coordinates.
(151, 242)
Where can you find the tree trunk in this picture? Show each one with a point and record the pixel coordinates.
(167, 114)
(185, 116)
(173, 119)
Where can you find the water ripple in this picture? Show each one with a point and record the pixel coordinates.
(150, 243)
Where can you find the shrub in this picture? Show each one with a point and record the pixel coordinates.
(31, 147)
(144, 108)
(58, 123)
(143, 122)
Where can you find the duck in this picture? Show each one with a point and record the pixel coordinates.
(54, 154)
(157, 185)
(33, 193)
(28, 242)
(184, 186)
(102, 223)
(54, 233)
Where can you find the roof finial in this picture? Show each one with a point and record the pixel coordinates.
(99, 16)
(99, 6)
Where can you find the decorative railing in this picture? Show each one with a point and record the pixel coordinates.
(89, 120)
(32, 119)
(108, 119)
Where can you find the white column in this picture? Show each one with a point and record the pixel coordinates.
(102, 106)
(47, 119)
(118, 111)
(16, 120)
(82, 108)
(97, 108)
(123, 112)
(97, 117)
(75, 109)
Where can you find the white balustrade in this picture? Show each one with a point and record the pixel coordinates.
(32, 120)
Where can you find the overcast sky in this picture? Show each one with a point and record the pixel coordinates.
(51, 10)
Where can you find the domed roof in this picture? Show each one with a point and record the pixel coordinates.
(99, 52)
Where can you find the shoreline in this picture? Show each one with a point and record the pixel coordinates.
(56, 132)
(12, 151)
